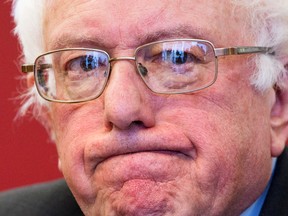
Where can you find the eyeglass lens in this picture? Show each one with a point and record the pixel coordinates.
(72, 75)
(177, 66)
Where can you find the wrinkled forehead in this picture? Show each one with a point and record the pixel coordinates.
(134, 22)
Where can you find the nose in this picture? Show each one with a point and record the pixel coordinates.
(127, 100)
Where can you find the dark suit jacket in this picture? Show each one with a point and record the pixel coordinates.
(276, 203)
(55, 199)
(46, 199)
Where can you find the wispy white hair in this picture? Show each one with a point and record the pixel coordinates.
(268, 20)
(28, 17)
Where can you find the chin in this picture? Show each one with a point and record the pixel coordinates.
(138, 197)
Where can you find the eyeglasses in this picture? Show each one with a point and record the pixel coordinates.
(176, 66)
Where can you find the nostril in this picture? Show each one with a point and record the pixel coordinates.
(137, 122)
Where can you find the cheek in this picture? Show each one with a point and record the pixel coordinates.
(72, 120)
(230, 131)
(73, 124)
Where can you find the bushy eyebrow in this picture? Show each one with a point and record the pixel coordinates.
(181, 31)
(95, 39)
(68, 40)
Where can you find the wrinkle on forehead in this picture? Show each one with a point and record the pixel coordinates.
(130, 24)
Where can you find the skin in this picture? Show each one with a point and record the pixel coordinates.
(134, 152)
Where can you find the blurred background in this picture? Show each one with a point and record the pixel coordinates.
(26, 154)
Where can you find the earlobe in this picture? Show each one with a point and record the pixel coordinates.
(279, 121)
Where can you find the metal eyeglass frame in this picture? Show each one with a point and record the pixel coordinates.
(218, 52)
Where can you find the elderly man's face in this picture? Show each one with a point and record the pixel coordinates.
(134, 152)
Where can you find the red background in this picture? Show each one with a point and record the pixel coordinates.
(26, 154)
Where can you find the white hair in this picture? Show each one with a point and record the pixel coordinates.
(268, 20)
(28, 17)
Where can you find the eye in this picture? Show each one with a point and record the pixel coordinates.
(88, 63)
(176, 56)
(83, 63)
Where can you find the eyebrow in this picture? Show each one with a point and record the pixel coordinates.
(181, 31)
(68, 40)
(86, 40)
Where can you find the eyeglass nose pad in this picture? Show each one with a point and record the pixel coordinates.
(143, 70)
(106, 72)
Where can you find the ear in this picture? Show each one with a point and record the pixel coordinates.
(279, 120)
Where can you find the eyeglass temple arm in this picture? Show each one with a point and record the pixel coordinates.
(28, 68)
(243, 50)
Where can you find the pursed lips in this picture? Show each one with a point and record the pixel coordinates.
(165, 140)
(97, 158)
(159, 151)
